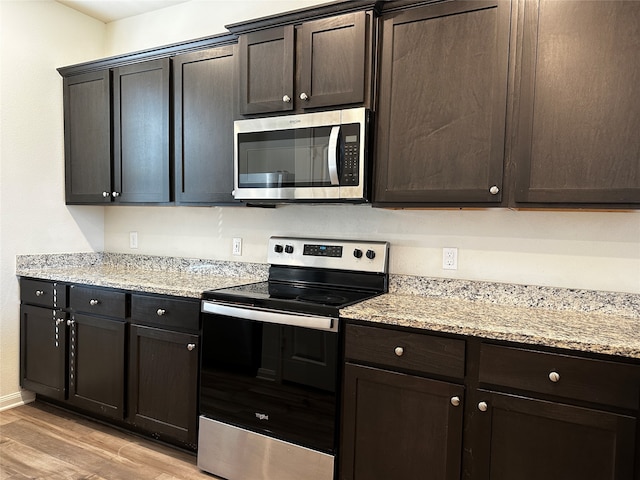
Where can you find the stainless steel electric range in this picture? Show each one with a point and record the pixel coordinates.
(269, 378)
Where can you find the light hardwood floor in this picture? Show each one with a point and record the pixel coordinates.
(39, 441)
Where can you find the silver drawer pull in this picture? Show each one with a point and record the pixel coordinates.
(93, 302)
(161, 312)
(482, 406)
(39, 293)
(554, 377)
(399, 351)
(455, 401)
(191, 346)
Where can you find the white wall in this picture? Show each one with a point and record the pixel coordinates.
(36, 38)
(591, 250)
(190, 20)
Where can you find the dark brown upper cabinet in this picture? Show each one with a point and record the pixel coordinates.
(204, 108)
(141, 93)
(440, 136)
(266, 70)
(320, 63)
(578, 140)
(87, 137)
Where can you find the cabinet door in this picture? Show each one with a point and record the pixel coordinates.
(163, 382)
(442, 104)
(141, 132)
(532, 439)
(399, 426)
(266, 70)
(43, 343)
(333, 61)
(87, 137)
(578, 136)
(96, 365)
(203, 122)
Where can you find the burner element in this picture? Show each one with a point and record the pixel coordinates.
(323, 298)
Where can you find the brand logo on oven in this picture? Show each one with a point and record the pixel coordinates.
(262, 416)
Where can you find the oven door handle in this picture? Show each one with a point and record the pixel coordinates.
(315, 322)
(332, 157)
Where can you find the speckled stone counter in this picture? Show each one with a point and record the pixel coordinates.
(596, 322)
(180, 277)
(589, 321)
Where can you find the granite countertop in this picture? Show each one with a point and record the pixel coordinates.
(595, 322)
(141, 273)
(588, 321)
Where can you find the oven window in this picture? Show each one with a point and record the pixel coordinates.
(274, 379)
(284, 158)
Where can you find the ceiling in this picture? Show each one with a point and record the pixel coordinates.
(109, 10)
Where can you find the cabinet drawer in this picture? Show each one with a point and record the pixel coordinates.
(166, 312)
(404, 350)
(590, 380)
(43, 293)
(98, 301)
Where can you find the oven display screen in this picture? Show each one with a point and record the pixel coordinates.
(322, 250)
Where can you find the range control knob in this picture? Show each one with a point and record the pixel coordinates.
(278, 249)
(371, 254)
(357, 253)
(288, 249)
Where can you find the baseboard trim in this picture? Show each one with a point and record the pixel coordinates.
(16, 399)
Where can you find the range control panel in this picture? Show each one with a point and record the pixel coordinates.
(337, 254)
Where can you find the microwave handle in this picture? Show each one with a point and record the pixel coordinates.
(332, 157)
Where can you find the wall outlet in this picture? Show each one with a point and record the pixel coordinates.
(237, 246)
(133, 239)
(449, 258)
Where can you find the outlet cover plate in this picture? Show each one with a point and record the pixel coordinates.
(449, 258)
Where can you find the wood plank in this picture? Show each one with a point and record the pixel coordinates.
(42, 441)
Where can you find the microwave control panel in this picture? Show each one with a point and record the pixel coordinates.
(350, 173)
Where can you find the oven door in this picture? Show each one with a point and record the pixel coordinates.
(276, 379)
(313, 156)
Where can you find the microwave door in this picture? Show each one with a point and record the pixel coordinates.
(332, 157)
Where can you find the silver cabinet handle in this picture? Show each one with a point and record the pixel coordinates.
(191, 346)
(455, 401)
(93, 302)
(59, 321)
(399, 351)
(106, 194)
(39, 293)
(332, 155)
(286, 99)
(554, 377)
(494, 190)
(70, 322)
(304, 96)
(482, 406)
(161, 312)
(115, 194)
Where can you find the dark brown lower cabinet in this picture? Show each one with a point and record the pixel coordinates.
(163, 383)
(528, 439)
(97, 365)
(399, 426)
(43, 347)
(505, 412)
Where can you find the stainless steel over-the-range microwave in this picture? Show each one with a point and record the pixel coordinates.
(310, 157)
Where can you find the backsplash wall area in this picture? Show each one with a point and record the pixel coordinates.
(585, 250)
